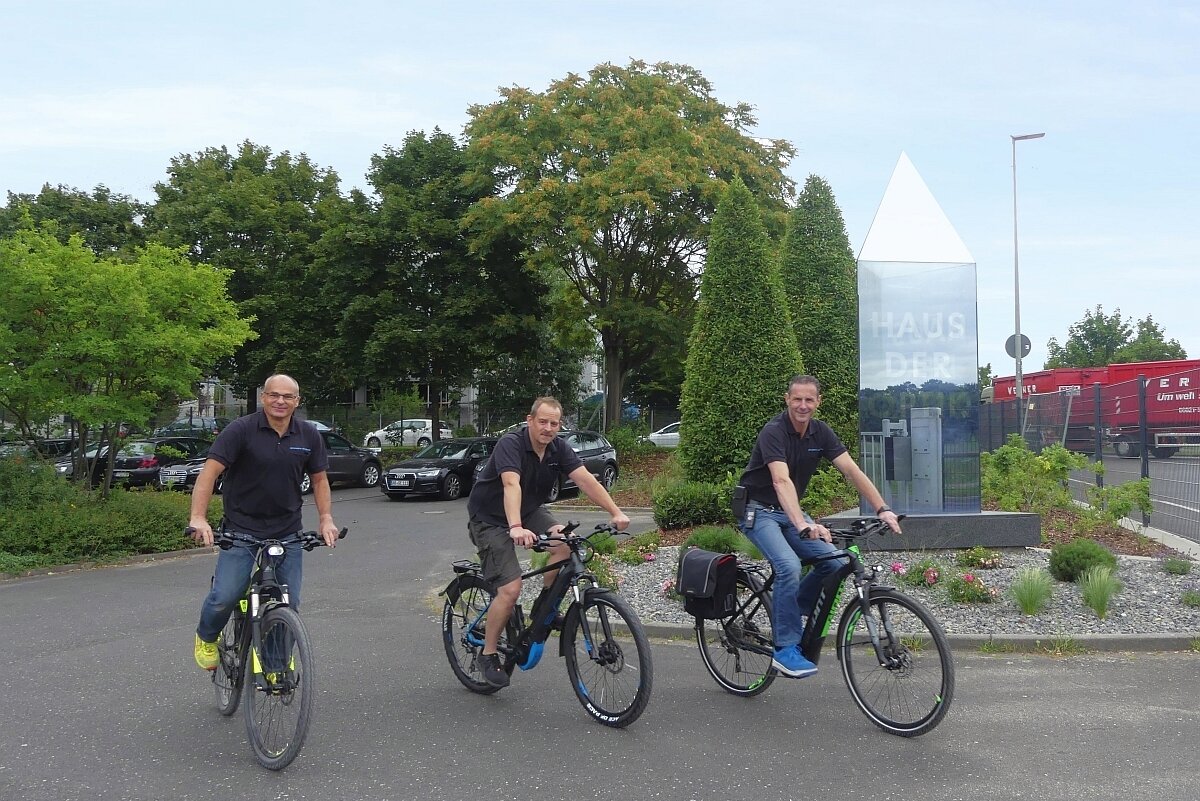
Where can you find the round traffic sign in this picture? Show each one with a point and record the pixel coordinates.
(1010, 346)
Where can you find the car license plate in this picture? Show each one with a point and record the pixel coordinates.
(406, 482)
(120, 474)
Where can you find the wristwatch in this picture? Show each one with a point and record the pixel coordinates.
(882, 509)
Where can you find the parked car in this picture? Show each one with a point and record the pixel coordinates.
(348, 463)
(320, 425)
(182, 476)
(195, 426)
(596, 452)
(53, 448)
(445, 468)
(407, 432)
(666, 437)
(138, 461)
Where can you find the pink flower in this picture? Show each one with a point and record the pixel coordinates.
(649, 557)
(931, 576)
(898, 568)
(968, 577)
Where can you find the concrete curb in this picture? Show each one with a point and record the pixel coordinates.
(122, 562)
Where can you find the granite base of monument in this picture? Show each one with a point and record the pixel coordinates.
(931, 532)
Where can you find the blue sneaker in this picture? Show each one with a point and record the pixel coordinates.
(790, 662)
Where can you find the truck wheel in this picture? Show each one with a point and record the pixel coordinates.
(1163, 453)
(1126, 449)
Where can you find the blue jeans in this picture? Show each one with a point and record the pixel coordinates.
(230, 580)
(793, 597)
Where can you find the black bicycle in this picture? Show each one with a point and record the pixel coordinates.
(602, 640)
(269, 660)
(893, 653)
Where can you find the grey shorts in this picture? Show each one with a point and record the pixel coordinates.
(497, 553)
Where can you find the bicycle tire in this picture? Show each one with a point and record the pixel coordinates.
(467, 600)
(732, 647)
(227, 678)
(910, 695)
(612, 673)
(278, 715)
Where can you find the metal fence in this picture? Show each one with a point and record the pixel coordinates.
(1137, 429)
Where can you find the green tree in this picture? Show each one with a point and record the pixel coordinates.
(108, 223)
(613, 180)
(259, 216)
(1099, 339)
(986, 375)
(102, 339)
(821, 281)
(743, 348)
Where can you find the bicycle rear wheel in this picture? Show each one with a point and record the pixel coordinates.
(227, 678)
(911, 693)
(737, 650)
(464, 617)
(608, 659)
(280, 689)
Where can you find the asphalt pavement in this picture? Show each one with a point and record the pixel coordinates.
(102, 700)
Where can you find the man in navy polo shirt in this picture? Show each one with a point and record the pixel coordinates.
(506, 510)
(785, 456)
(264, 455)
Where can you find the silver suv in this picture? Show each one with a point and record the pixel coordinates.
(417, 431)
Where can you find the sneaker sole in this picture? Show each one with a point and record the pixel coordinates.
(793, 674)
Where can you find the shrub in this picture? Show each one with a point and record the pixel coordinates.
(925, 572)
(1177, 565)
(1110, 503)
(1191, 598)
(1069, 560)
(828, 492)
(967, 588)
(692, 503)
(639, 549)
(1018, 480)
(629, 440)
(721, 539)
(604, 543)
(978, 557)
(1031, 589)
(1098, 584)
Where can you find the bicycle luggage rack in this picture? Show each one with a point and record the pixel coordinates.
(465, 566)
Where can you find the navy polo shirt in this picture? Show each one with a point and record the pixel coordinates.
(263, 472)
(779, 442)
(514, 453)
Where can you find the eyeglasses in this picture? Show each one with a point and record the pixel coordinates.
(276, 396)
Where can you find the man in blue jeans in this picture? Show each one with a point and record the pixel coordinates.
(784, 458)
(264, 456)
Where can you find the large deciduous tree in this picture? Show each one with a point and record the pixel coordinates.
(742, 350)
(820, 278)
(613, 179)
(1099, 339)
(258, 215)
(108, 223)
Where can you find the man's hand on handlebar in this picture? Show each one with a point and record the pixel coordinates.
(818, 532)
(201, 531)
(892, 519)
(522, 536)
(620, 521)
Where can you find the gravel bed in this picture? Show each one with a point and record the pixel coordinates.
(1149, 602)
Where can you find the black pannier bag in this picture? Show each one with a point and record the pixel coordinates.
(707, 581)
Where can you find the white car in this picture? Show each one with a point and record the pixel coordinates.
(407, 432)
(666, 437)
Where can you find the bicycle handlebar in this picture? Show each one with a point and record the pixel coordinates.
(306, 539)
(859, 529)
(566, 535)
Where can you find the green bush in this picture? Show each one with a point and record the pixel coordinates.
(1190, 598)
(978, 557)
(968, 588)
(1069, 560)
(1031, 589)
(467, 430)
(828, 492)
(639, 549)
(629, 440)
(1098, 584)
(692, 503)
(1018, 480)
(925, 572)
(721, 539)
(1110, 503)
(1177, 565)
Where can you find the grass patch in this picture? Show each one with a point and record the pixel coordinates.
(1061, 645)
(1098, 585)
(1031, 589)
(997, 647)
(1191, 598)
(1177, 565)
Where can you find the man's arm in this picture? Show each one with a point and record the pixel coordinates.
(511, 480)
(598, 495)
(789, 499)
(201, 495)
(323, 498)
(858, 478)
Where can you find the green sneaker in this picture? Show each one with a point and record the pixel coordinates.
(206, 654)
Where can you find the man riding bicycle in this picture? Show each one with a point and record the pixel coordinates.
(785, 456)
(506, 510)
(266, 454)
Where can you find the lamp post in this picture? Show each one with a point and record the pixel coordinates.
(1018, 347)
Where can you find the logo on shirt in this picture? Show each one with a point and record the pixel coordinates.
(300, 448)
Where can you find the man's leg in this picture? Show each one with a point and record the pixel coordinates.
(498, 558)
(230, 578)
(767, 535)
(810, 586)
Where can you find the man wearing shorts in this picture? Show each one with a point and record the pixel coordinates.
(506, 509)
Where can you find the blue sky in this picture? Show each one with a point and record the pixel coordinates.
(1109, 200)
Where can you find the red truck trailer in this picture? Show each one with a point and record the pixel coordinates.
(1172, 404)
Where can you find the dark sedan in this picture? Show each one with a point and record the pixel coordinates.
(139, 461)
(348, 463)
(597, 454)
(445, 468)
(182, 476)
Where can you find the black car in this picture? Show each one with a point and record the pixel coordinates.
(348, 463)
(54, 449)
(194, 426)
(597, 454)
(445, 468)
(182, 476)
(138, 461)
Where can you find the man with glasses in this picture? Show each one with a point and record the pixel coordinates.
(266, 454)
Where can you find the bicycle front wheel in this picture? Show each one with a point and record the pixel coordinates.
(279, 691)
(608, 659)
(737, 650)
(911, 691)
(227, 678)
(464, 618)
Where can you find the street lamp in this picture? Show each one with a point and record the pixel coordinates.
(1018, 341)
